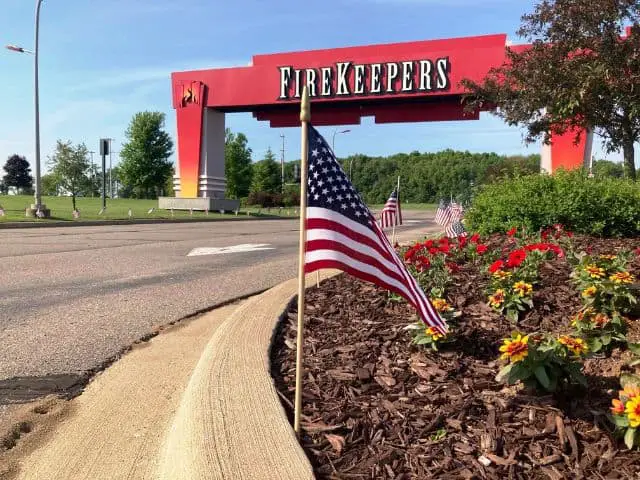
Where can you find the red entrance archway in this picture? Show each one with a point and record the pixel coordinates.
(400, 82)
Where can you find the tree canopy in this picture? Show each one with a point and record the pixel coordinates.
(18, 173)
(237, 165)
(70, 168)
(145, 166)
(266, 175)
(581, 71)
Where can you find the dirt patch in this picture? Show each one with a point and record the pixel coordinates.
(376, 406)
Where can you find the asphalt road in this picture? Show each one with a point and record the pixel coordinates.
(71, 298)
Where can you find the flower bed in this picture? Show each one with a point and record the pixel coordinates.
(377, 405)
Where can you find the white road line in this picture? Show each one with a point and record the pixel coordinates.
(246, 247)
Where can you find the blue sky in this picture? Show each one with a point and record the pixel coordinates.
(101, 62)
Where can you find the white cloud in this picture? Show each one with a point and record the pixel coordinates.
(121, 78)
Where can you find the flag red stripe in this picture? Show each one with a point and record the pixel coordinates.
(360, 257)
(325, 264)
(324, 224)
(412, 283)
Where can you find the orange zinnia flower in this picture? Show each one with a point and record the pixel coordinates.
(515, 349)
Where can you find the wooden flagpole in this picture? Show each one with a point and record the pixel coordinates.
(395, 221)
(305, 117)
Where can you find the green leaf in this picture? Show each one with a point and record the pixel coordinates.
(634, 348)
(543, 378)
(630, 438)
(620, 420)
(606, 339)
(629, 379)
(504, 373)
(595, 345)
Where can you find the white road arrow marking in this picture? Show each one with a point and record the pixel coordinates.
(246, 247)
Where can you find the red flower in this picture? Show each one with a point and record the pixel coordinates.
(512, 232)
(428, 244)
(445, 248)
(495, 266)
(462, 241)
(516, 258)
(559, 227)
(444, 241)
(475, 238)
(569, 234)
(481, 249)
(409, 254)
(453, 267)
(545, 234)
(433, 250)
(422, 264)
(637, 250)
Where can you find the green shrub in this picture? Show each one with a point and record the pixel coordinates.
(607, 207)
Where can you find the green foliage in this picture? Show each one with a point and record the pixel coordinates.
(542, 362)
(265, 199)
(70, 168)
(605, 207)
(49, 184)
(237, 164)
(607, 168)
(266, 175)
(579, 73)
(428, 177)
(18, 174)
(145, 166)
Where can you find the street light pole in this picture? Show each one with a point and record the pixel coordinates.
(333, 141)
(282, 164)
(38, 197)
(38, 208)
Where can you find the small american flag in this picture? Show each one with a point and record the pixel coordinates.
(391, 213)
(76, 214)
(455, 229)
(443, 213)
(342, 233)
(1, 212)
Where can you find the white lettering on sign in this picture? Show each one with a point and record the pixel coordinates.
(244, 248)
(347, 78)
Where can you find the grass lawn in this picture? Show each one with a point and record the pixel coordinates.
(117, 209)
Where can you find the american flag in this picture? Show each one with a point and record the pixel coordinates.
(391, 212)
(455, 229)
(443, 213)
(1, 212)
(343, 234)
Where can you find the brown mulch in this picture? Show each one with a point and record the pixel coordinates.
(377, 407)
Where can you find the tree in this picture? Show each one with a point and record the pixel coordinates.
(49, 184)
(70, 168)
(237, 164)
(607, 168)
(145, 165)
(18, 174)
(3, 188)
(580, 72)
(267, 175)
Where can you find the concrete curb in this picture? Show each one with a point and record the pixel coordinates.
(97, 223)
(230, 423)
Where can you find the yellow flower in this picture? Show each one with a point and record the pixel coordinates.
(617, 407)
(621, 277)
(632, 408)
(515, 349)
(523, 289)
(630, 392)
(594, 271)
(601, 320)
(497, 299)
(434, 334)
(589, 292)
(441, 305)
(501, 274)
(608, 257)
(576, 345)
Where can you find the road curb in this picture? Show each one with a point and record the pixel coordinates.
(230, 422)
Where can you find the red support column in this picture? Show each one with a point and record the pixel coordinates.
(189, 103)
(565, 153)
